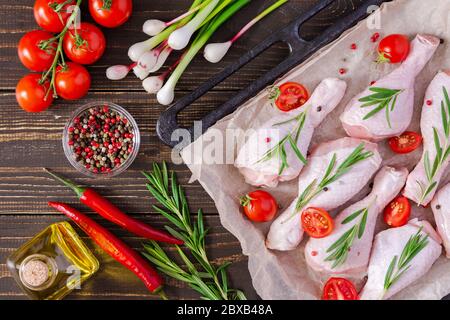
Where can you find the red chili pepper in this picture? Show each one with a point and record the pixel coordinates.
(113, 246)
(110, 212)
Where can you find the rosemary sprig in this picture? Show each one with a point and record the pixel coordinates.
(382, 98)
(279, 150)
(208, 280)
(399, 266)
(442, 152)
(331, 175)
(339, 250)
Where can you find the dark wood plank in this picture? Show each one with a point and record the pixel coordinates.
(113, 281)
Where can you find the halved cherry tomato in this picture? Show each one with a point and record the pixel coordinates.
(397, 213)
(316, 222)
(259, 206)
(32, 95)
(32, 55)
(85, 44)
(339, 289)
(110, 14)
(289, 96)
(405, 143)
(72, 81)
(393, 48)
(52, 15)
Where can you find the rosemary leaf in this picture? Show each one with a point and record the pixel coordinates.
(442, 151)
(445, 123)
(341, 240)
(292, 138)
(383, 98)
(390, 271)
(446, 99)
(352, 217)
(341, 247)
(210, 281)
(362, 224)
(399, 266)
(296, 150)
(332, 175)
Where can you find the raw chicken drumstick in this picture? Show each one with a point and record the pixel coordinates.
(347, 248)
(423, 181)
(441, 209)
(385, 108)
(336, 171)
(268, 156)
(399, 257)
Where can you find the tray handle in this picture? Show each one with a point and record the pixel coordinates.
(300, 50)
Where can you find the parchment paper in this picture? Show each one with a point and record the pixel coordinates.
(285, 275)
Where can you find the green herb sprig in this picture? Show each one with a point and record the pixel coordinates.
(208, 280)
(442, 152)
(279, 150)
(382, 98)
(331, 175)
(339, 250)
(399, 266)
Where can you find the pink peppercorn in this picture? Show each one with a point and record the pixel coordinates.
(375, 37)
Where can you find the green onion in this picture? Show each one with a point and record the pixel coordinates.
(166, 95)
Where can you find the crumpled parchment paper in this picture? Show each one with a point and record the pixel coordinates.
(285, 275)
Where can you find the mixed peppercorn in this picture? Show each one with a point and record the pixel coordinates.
(101, 139)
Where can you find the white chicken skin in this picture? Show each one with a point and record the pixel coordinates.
(347, 249)
(347, 164)
(385, 109)
(423, 181)
(441, 210)
(399, 257)
(268, 157)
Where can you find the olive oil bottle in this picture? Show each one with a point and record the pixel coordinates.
(53, 263)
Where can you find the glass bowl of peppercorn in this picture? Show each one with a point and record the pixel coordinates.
(101, 139)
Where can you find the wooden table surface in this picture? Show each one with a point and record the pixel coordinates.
(29, 142)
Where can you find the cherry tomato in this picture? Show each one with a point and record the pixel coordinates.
(110, 14)
(259, 206)
(32, 95)
(316, 222)
(397, 213)
(30, 53)
(72, 81)
(52, 15)
(289, 96)
(405, 143)
(393, 48)
(84, 45)
(339, 289)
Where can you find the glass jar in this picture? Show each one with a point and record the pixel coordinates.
(136, 140)
(53, 263)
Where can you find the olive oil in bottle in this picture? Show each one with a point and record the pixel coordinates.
(53, 263)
